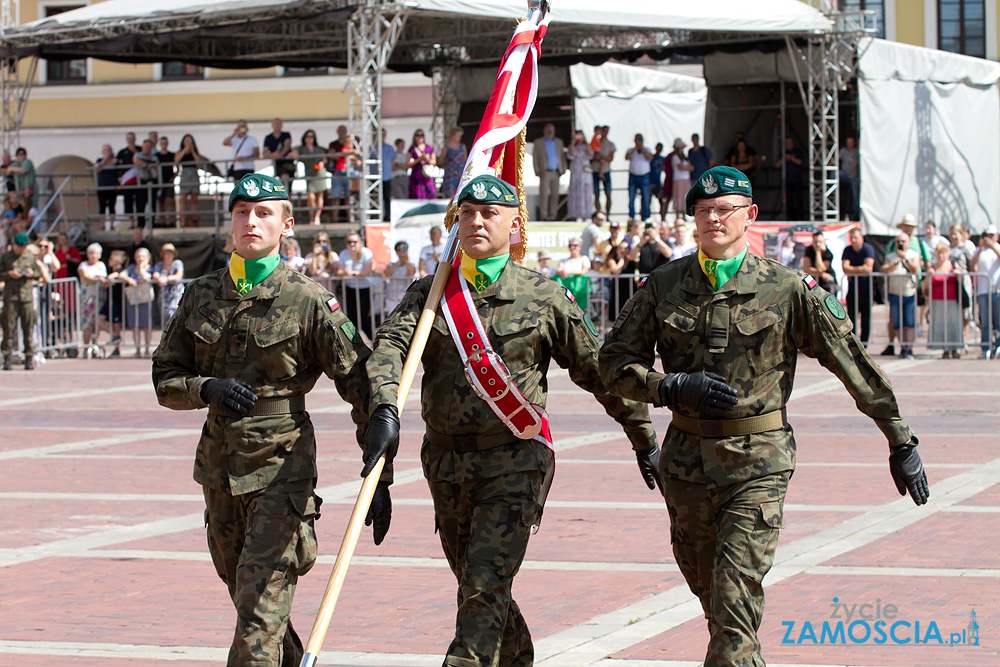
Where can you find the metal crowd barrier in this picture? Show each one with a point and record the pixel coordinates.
(62, 310)
(948, 325)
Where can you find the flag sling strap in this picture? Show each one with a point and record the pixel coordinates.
(484, 368)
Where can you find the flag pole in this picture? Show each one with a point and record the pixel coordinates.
(537, 10)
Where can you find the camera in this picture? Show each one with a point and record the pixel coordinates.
(900, 245)
(649, 225)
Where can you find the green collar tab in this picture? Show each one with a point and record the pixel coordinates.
(481, 273)
(720, 271)
(248, 273)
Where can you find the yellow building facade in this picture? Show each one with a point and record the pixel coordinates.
(960, 26)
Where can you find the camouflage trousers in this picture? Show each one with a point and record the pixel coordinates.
(484, 528)
(12, 310)
(724, 540)
(261, 542)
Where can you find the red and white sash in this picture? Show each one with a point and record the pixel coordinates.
(484, 368)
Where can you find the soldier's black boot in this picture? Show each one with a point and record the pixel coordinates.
(8, 363)
(29, 363)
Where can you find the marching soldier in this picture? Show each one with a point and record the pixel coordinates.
(487, 451)
(248, 342)
(728, 327)
(18, 270)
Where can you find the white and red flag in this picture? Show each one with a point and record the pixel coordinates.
(495, 149)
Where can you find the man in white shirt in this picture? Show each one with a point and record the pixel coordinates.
(592, 234)
(681, 241)
(430, 254)
(901, 264)
(638, 177)
(987, 260)
(245, 150)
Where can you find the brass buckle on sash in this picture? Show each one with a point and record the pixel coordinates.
(470, 373)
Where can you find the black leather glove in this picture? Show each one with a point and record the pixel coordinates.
(233, 397)
(649, 466)
(908, 471)
(705, 393)
(380, 512)
(381, 437)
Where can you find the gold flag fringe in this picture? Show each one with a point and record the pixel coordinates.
(518, 251)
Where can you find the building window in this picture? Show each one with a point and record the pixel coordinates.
(877, 6)
(64, 71)
(175, 69)
(962, 27)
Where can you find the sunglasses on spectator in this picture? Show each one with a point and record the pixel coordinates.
(352, 241)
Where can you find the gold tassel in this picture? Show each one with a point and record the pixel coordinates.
(517, 251)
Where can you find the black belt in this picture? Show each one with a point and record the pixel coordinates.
(268, 407)
(469, 443)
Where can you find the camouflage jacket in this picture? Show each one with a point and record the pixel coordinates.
(750, 332)
(278, 338)
(529, 320)
(18, 289)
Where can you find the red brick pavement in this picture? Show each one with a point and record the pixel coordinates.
(161, 590)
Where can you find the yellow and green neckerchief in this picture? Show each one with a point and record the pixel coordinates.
(720, 271)
(246, 273)
(481, 273)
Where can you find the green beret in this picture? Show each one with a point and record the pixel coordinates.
(257, 187)
(21, 239)
(716, 182)
(488, 189)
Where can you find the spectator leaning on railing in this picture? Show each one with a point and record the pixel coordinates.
(168, 274)
(139, 296)
(987, 260)
(93, 274)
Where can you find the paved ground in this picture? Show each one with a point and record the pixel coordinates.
(103, 559)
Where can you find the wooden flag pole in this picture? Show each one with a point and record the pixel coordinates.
(364, 501)
(537, 9)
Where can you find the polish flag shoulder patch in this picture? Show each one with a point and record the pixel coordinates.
(643, 281)
(332, 303)
(809, 281)
(569, 295)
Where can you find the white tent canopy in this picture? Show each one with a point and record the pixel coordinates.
(783, 16)
(254, 33)
(930, 137)
(635, 100)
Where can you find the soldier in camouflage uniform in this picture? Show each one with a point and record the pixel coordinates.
(488, 486)
(728, 327)
(18, 270)
(248, 342)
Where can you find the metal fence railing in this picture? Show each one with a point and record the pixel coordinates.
(961, 313)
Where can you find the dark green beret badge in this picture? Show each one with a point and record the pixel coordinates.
(488, 189)
(257, 187)
(834, 307)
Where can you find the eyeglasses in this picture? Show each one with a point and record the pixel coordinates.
(418, 135)
(352, 242)
(722, 211)
(574, 245)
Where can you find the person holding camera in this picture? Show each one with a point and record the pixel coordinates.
(245, 151)
(902, 264)
(651, 251)
(987, 260)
